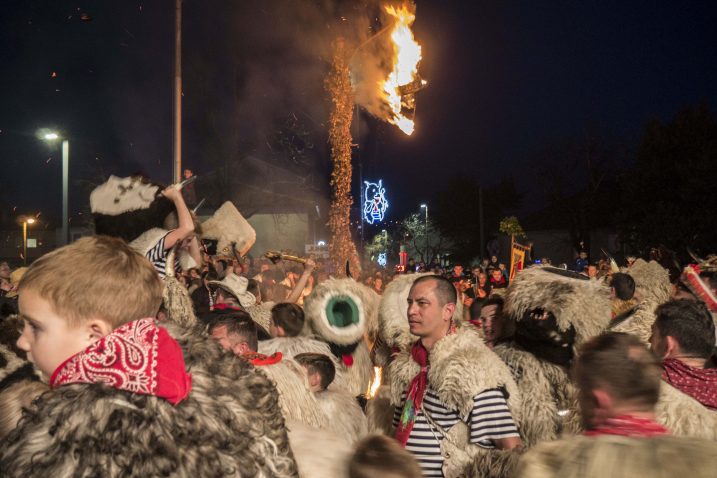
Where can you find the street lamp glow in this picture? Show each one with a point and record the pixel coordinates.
(30, 220)
(51, 136)
(423, 206)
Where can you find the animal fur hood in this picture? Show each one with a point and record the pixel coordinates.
(584, 304)
(461, 367)
(652, 281)
(685, 416)
(392, 312)
(229, 425)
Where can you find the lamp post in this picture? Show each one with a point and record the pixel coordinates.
(425, 206)
(25, 222)
(65, 180)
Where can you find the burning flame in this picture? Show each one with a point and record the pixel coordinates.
(375, 383)
(405, 65)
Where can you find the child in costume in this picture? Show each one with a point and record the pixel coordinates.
(123, 401)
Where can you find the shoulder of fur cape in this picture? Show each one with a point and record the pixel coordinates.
(461, 367)
(148, 239)
(652, 281)
(685, 416)
(584, 304)
(549, 407)
(95, 430)
(343, 413)
(296, 399)
(615, 456)
(319, 453)
(392, 319)
(639, 323)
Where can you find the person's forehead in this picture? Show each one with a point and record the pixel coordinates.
(423, 290)
(489, 309)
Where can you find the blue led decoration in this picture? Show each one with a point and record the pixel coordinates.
(375, 203)
(381, 259)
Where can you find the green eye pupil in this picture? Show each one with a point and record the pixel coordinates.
(342, 311)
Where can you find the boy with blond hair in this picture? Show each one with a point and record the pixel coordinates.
(122, 401)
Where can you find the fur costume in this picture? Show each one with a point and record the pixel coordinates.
(261, 315)
(338, 312)
(462, 366)
(379, 411)
(343, 413)
(652, 281)
(685, 416)
(291, 346)
(230, 229)
(639, 323)
(550, 404)
(176, 299)
(319, 453)
(611, 456)
(296, 399)
(230, 425)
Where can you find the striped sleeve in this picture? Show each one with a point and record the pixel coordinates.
(491, 419)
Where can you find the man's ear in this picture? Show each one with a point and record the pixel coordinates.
(97, 329)
(603, 405)
(672, 347)
(241, 348)
(448, 310)
(280, 332)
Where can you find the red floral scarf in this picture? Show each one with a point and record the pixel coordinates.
(259, 360)
(629, 426)
(698, 383)
(138, 357)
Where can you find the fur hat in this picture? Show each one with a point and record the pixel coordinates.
(236, 286)
(127, 207)
(573, 299)
(392, 312)
(228, 227)
(15, 277)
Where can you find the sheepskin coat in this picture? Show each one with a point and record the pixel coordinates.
(319, 453)
(461, 367)
(685, 416)
(611, 456)
(552, 407)
(343, 415)
(229, 425)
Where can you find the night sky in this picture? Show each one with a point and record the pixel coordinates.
(505, 80)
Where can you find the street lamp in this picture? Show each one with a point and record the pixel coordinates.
(52, 136)
(25, 222)
(425, 206)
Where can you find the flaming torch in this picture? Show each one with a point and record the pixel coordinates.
(374, 383)
(403, 82)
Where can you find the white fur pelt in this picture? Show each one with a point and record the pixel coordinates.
(611, 456)
(343, 414)
(176, 299)
(393, 312)
(462, 366)
(379, 411)
(297, 401)
(639, 323)
(652, 281)
(319, 453)
(685, 416)
(546, 390)
(291, 346)
(584, 304)
(229, 425)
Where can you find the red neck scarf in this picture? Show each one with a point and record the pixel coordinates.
(138, 357)
(258, 359)
(416, 391)
(698, 383)
(629, 426)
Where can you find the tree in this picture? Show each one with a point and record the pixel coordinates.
(668, 197)
(412, 233)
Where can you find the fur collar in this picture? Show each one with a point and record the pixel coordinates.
(461, 366)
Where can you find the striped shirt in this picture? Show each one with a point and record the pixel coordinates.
(489, 420)
(158, 257)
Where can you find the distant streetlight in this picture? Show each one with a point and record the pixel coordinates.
(425, 206)
(25, 222)
(52, 136)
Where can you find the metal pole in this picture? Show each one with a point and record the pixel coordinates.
(480, 222)
(178, 91)
(426, 235)
(24, 243)
(65, 181)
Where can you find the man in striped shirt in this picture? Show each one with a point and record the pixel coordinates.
(457, 383)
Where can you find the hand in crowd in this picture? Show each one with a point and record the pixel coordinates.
(309, 266)
(172, 193)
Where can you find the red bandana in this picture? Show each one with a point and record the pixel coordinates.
(416, 391)
(138, 357)
(629, 426)
(258, 359)
(698, 383)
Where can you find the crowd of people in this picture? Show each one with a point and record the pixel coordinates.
(178, 355)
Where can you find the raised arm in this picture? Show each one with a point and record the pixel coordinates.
(186, 225)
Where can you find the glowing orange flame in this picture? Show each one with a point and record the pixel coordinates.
(375, 383)
(405, 65)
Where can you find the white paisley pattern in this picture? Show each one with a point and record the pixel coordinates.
(125, 359)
